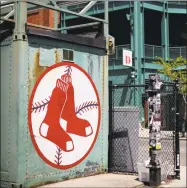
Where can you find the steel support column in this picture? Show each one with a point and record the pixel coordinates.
(131, 25)
(165, 31)
(138, 44)
(142, 41)
(137, 40)
(177, 130)
(20, 88)
(63, 21)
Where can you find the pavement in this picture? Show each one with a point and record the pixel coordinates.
(103, 180)
(177, 183)
(120, 180)
(183, 181)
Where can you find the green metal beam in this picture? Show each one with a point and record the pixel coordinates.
(138, 40)
(152, 66)
(146, 66)
(63, 21)
(62, 10)
(131, 25)
(152, 6)
(142, 41)
(78, 26)
(177, 10)
(99, 8)
(117, 67)
(121, 5)
(165, 32)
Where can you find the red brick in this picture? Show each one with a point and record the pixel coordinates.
(43, 17)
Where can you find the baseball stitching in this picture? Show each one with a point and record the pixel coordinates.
(58, 156)
(79, 110)
(38, 106)
(68, 70)
(86, 106)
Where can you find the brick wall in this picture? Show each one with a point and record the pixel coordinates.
(43, 17)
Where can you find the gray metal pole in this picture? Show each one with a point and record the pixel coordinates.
(85, 9)
(20, 87)
(177, 129)
(154, 129)
(62, 10)
(78, 26)
(106, 32)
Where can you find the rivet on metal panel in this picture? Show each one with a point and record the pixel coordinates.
(27, 132)
(9, 119)
(102, 108)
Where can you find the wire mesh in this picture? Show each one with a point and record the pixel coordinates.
(5, 184)
(130, 114)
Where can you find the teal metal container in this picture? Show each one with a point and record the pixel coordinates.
(20, 163)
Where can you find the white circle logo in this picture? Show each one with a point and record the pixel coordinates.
(64, 115)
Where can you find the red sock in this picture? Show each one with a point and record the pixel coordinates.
(50, 128)
(74, 125)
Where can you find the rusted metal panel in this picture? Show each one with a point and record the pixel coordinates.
(31, 167)
(93, 62)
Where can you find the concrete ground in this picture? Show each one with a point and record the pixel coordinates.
(178, 183)
(103, 180)
(183, 181)
(118, 180)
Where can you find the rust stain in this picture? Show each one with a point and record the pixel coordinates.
(35, 70)
(57, 56)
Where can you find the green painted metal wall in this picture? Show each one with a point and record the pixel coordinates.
(20, 163)
(142, 61)
(8, 115)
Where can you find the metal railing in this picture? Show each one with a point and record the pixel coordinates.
(98, 6)
(151, 51)
(177, 2)
(178, 51)
(77, 5)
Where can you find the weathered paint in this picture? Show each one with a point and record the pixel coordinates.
(35, 70)
(32, 169)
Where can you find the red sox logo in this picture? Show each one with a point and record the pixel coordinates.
(64, 115)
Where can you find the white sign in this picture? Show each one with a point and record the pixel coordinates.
(127, 58)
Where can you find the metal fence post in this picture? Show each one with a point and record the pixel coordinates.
(110, 124)
(177, 140)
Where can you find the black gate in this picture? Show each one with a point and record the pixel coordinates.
(128, 128)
